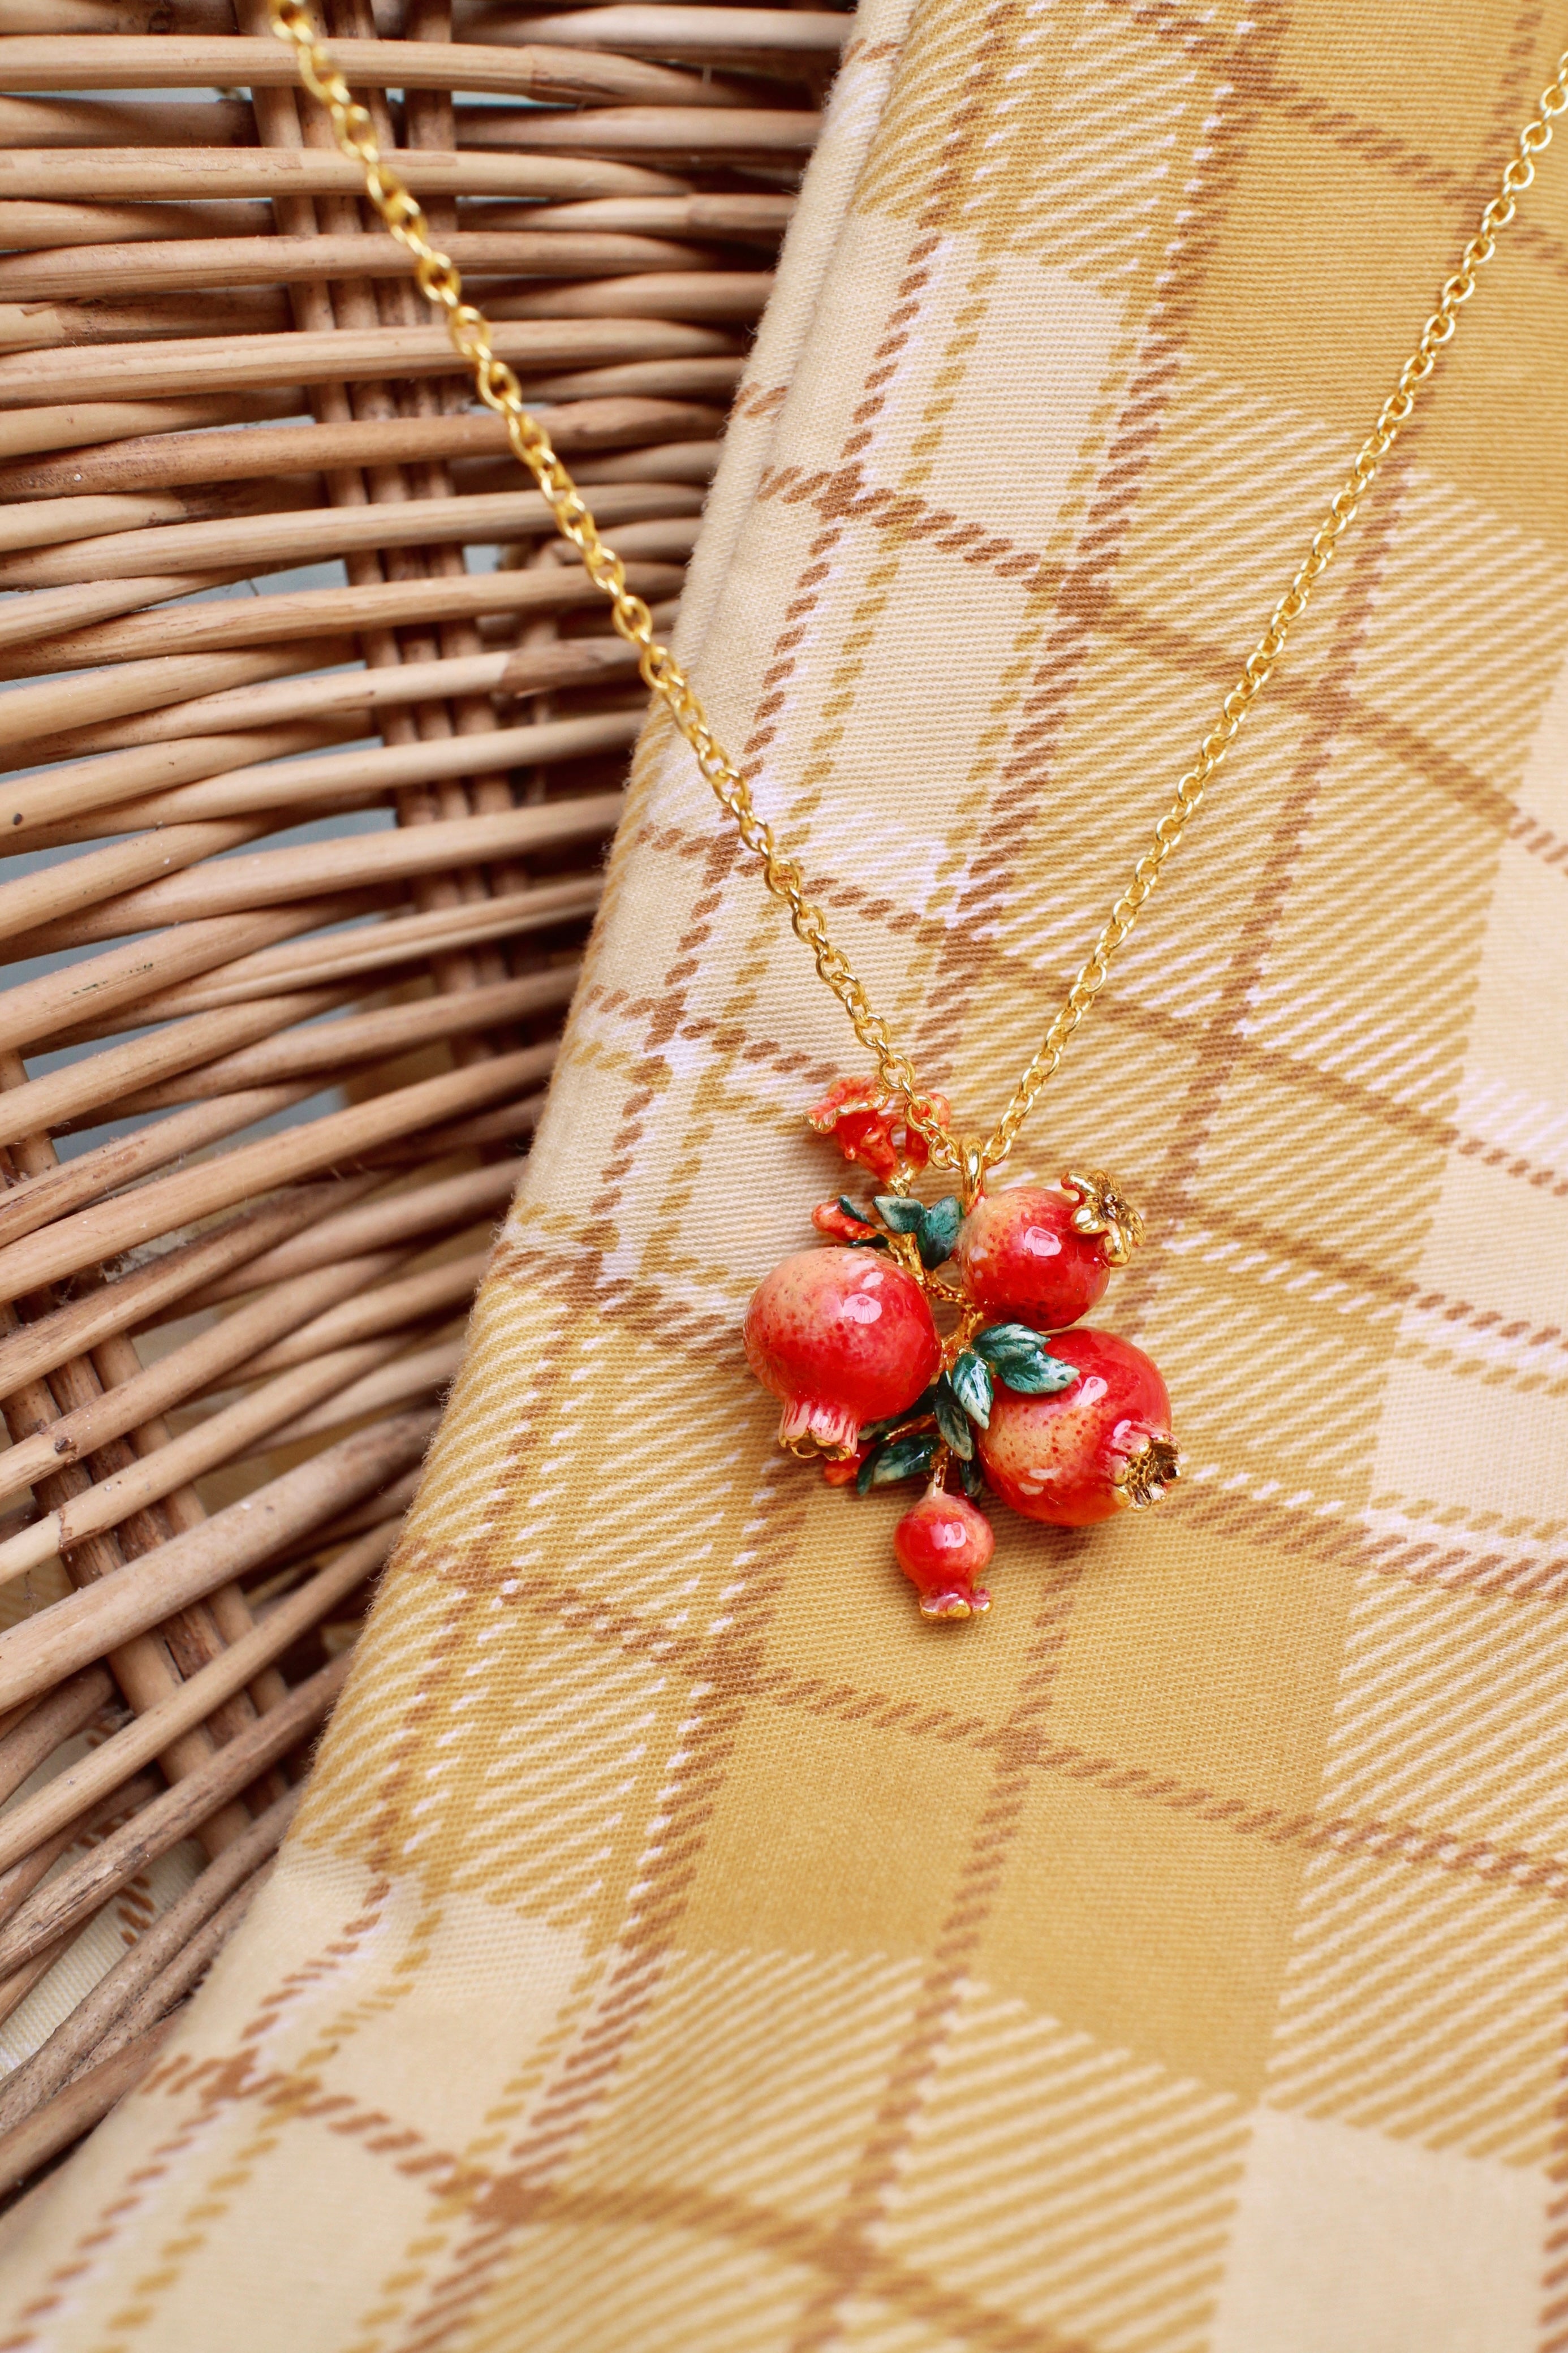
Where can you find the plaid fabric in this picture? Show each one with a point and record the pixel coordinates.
(684, 1945)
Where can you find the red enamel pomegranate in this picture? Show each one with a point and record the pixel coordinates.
(842, 1336)
(942, 1547)
(1087, 1451)
(1023, 1260)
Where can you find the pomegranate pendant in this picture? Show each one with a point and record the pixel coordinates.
(1068, 1427)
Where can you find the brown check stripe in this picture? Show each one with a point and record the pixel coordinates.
(682, 1947)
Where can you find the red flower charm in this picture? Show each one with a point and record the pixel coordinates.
(868, 1129)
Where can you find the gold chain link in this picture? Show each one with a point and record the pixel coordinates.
(499, 388)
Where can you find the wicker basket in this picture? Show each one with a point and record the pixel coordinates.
(307, 806)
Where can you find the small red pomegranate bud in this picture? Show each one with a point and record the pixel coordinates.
(1089, 1450)
(942, 1547)
(843, 1336)
(1022, 1259)
(843, 1223)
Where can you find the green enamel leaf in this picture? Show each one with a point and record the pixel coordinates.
(971, 1386)
(1021, 1359)
(901, 1457)
(898, 1215)
(1041, 1376)
(999, 1340)
(937, 1231)
(852, 1208)
(872, 1431)
(973, 1481)
(953, 1422)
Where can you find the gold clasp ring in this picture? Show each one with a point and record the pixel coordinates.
(972, 1169)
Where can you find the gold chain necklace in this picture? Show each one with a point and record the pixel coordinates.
(847, 1338)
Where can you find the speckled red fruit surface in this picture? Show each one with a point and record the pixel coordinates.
(942, 1547)
(1056, 1458)
(1023, 1262)
(842, 1336)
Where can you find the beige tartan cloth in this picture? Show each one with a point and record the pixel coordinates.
(683, 1946)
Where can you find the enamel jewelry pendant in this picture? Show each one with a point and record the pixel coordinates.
(1066, 1425)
